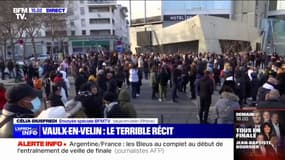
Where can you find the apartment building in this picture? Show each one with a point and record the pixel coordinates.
(89, 25)
(97, 25)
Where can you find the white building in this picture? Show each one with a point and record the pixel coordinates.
(91, 25)
(97, 25)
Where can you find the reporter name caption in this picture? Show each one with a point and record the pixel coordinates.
(119, 141)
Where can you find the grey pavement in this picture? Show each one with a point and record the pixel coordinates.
(185, 111)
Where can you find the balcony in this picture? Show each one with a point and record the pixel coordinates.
(100, 15)
(101, 26)
(102, 2)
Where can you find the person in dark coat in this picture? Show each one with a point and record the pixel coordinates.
(111, 83)
(163, 77)
(254, 85)
(192, 78)
(176, 81)
(91, 100)
(206, 89)
(217, 72)
(272, 100)
(185, 78)
(2, 68)
(146, 68)
(119, 76)
(266, 88)
(281, 78)
(112, 107)
(55, 97)
(101, 82)
(243, 85)
(80, 79)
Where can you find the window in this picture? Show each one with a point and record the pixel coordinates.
(83, 22)
(98, 9)
(73, 33)
(99, 21)
(81, 1)
(100, 32)
(82, 11)
(72, 23)
(83, 32)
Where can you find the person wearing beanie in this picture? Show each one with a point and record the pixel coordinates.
(22, 102)
(79, 80)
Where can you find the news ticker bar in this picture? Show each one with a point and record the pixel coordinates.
(122, 131)
(86, 121)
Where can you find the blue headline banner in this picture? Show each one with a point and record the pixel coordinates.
(122, 131)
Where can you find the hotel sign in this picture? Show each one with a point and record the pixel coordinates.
(176, 17)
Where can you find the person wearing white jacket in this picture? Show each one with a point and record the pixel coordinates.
(134, 80)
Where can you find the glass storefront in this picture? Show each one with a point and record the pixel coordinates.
(274, 36)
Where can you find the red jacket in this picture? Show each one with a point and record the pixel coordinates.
(57, 79)
(2, 99)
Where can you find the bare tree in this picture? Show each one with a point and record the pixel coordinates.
(55, 24)
(32, 30)
(11, 28)
(3, 42)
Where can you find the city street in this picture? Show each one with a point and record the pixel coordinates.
(185, 111)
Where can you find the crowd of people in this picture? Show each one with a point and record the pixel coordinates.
(102, 80)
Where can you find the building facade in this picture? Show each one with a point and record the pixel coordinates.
(97, 25)
(90, 25)
(155, 18)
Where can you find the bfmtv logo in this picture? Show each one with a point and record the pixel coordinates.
(30, 131)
